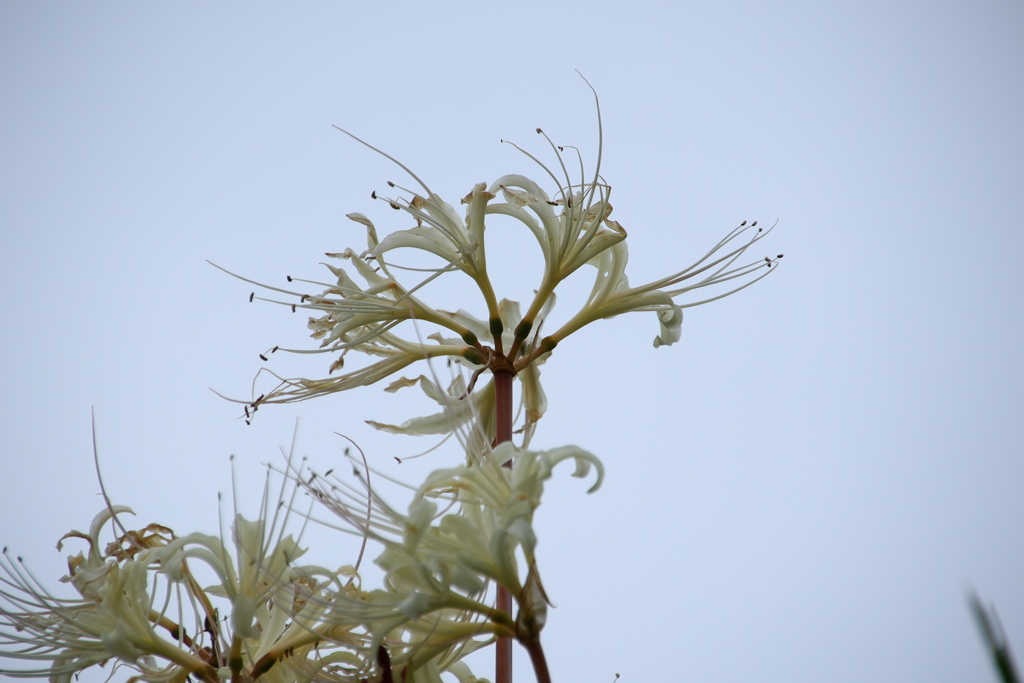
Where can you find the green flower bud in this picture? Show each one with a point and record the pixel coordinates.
(473, 356)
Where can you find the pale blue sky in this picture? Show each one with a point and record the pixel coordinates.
(802, 489)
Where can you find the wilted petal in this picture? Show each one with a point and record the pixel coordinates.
(671, 320)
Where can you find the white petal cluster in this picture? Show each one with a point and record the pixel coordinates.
(573, 229)
(142, 604)
(466, 528)
(113, 617)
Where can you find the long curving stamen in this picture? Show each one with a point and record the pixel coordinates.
(389, 157)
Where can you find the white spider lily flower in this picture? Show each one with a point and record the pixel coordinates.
(360, 318)
(275, 608)
(441, 231)
(572, 231)
(611, 294)
(573, 228)
(115, 618)
(438, 563)
(568, 239)
(351, 312)
(142, 606)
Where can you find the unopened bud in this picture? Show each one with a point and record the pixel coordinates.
(473, 356)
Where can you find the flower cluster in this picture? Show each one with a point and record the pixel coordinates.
(573, 229)
(196, 607)
(141, 602)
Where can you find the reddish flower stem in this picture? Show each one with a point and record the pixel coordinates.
(540, 662)
(503, 433)
(503, 406)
